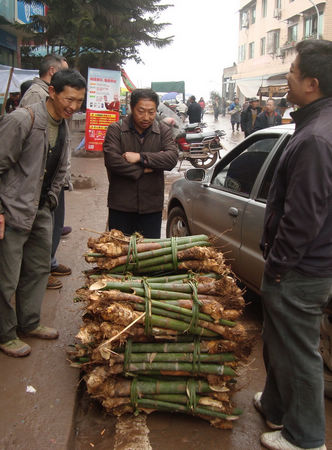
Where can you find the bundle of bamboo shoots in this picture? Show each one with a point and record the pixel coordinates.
(180, 329)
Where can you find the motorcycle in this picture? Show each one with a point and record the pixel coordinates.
(194, 127)
(200, 149)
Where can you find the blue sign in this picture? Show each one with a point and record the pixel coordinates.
(25, 11)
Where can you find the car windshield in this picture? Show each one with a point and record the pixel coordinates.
(240, 174)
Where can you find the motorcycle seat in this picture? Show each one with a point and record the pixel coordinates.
(198, 137)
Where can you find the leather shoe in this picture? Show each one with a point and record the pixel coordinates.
(66, 230)
(15, 348)
(60, 270)
(53, 283)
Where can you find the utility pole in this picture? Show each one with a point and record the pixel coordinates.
(317, 12)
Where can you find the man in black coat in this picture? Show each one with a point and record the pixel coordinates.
(267, 118)
(249, 115)
(298, 250)
(194, 111)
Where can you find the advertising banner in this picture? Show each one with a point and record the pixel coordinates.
(102, 104)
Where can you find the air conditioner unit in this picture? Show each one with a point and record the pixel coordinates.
(277, 13)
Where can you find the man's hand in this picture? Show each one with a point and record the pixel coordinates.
(132, 157)
(2, 226)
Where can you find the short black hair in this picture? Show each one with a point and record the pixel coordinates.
(315, 60)
(67, 77)
(147, 94)
(25, 86)
(49, 61)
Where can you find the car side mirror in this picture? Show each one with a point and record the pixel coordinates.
(195, 174)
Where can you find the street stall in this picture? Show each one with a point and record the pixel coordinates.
(161, 327)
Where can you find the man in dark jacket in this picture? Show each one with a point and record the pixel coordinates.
(33, 166)
(194, 111)
(298, 251)
(248, 116)
(136, 152)
(267, 118)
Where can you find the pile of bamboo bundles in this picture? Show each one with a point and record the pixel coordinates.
(161, 328)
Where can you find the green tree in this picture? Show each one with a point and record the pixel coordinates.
(99, 33)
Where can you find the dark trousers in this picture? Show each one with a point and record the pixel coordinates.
(149, 225)
(58, 222)
(294, 391)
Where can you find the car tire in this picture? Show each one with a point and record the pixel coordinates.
(177, 223)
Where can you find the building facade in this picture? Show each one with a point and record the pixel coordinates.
(12, 12)
(268, 33)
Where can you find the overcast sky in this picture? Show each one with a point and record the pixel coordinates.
(205, 42)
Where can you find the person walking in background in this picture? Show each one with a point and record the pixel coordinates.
(267, 118)
(248, 116)
(33, 166)
(37, 92)
(136, 153)
(234, 110)
(194, 111)
(215, 106)
(298, 251)
(202, 105)
(12, 102)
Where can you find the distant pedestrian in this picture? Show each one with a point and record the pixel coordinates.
(216, 110)
(298, 251)
(248, 116)
(267, 118)
(194, 111)
(202, 105)
(234, 110)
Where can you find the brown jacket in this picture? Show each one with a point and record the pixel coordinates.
(130, 189)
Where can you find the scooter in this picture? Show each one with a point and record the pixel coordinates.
(200, 149)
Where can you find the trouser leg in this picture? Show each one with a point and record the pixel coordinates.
(58, 222)
(122, 221)
(34, 271)
(292, 313)
(11, 253)
(149, 225)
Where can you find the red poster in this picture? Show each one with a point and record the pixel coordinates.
(96, 126)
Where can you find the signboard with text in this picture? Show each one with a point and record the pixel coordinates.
(102, 105)
(96, 124)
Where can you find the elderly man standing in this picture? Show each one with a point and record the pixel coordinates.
(249, 115)
(33, 165)
(267, 118)
(37, 92)
(298, 250)
(136, 152)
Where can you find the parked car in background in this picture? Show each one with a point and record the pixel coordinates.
(228, 202)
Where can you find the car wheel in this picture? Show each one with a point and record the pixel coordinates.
(177, 224)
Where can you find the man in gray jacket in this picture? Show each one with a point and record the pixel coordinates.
(33, 165)
(37, 92)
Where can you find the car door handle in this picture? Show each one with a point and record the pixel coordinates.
(234, 212)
